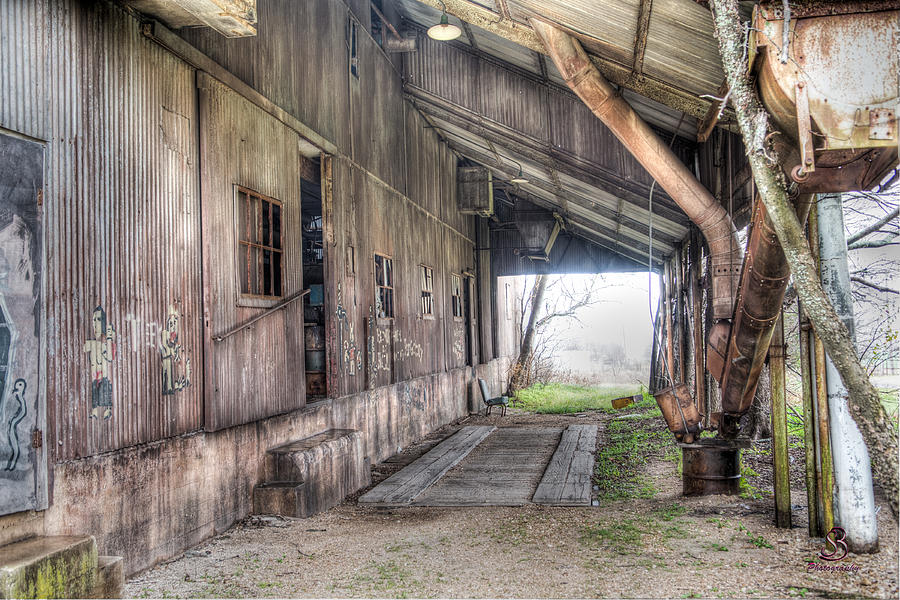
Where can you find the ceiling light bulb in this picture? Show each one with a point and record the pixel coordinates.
(520, 178)
(444, 31)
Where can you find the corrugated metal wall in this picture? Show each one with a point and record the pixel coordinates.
(259, 371)
(121, 213)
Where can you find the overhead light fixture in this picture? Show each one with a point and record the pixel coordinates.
(444, 31)
(520, 178)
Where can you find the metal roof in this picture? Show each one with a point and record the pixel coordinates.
(681, 52)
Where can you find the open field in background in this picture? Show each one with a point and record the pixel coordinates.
(562, 398)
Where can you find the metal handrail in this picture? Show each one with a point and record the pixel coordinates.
(266, 313)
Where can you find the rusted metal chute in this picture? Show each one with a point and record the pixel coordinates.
(834, 92)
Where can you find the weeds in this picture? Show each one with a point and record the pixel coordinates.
(563, 398)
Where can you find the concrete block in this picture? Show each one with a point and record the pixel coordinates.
(331, 465)
(110, 577)
(49, 567)
(285, 498)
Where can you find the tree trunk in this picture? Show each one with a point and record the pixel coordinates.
(519, 377)
(865, 402)
(758, 420)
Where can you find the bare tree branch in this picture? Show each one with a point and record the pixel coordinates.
(874, 286)
(874, 227)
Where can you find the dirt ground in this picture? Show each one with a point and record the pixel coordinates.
(658, 545)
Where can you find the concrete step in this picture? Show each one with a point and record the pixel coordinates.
(49, 567)
(284, 498)
(307, 476)
(110, 577)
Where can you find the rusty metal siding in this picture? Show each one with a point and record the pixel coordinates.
(259, 371)
(298, 60)
(121, 213)
(445, 71)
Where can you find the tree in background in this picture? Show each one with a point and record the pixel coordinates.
(551, 298)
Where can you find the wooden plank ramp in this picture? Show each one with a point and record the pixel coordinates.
(404, 486)
(504, 470)
(567, 479)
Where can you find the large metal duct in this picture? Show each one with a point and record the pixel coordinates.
(672, 175)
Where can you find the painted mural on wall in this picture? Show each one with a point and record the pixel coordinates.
(18, 408)
(165, 339)
(21, 401)
(101, 350)
(172, 353)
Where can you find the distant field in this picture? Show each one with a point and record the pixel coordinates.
(560, 398)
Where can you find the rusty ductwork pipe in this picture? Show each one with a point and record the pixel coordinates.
(764, 280)
(672, 175)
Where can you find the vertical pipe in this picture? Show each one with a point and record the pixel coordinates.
(821, 400)
(809, 425)
(678, 282)
(670, 345)
(696, 306)
(852, 467)
(781, 465)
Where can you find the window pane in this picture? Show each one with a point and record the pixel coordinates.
(265, 238)
(276, 261)
(388, 272)
(267, 273)
(276, 226)
(379, 270)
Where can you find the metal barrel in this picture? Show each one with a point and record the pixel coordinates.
(711, 467)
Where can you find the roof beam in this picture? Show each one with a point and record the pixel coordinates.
(621, 75)
(640, 36)
(231, 18)
(544, 153)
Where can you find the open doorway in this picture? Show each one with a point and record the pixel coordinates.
(313, 278)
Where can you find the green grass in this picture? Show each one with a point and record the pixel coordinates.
(563, 398)
(630, 445)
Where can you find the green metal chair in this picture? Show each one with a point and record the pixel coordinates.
(490, 403)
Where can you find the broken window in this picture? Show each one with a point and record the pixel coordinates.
(260, 244)
(456, 295)
(384, 287)
(427, 275)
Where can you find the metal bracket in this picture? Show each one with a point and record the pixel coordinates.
(807, 164)
(37, 438)
(881, 124)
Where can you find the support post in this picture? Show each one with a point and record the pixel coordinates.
(670, 345)
(696, 308)
(809, 425)
(826, 489)
(852, 467)
(781, 465)
(678, 282)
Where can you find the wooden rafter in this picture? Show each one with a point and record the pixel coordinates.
(640, 36)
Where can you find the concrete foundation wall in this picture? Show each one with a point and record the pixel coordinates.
(151, 502)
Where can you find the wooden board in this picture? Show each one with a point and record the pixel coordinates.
(404, 486)
(567, 480)
(503, 471)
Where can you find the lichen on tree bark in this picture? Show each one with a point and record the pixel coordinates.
(865, 402)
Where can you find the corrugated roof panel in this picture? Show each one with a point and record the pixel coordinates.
(507, 51)
(681, 47)
(613, 24)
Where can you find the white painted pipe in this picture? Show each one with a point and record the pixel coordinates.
(854, 500)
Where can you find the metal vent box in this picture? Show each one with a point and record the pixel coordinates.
(474, 191)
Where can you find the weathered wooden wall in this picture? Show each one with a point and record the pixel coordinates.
(258, 372)
(132, 135)
(122, 217)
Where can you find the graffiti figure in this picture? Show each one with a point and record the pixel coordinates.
(101, 350)
(19, 410)
(171, 351)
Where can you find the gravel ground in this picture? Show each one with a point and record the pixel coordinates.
(663, 546)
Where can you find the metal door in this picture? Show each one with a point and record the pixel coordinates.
(22, 406)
